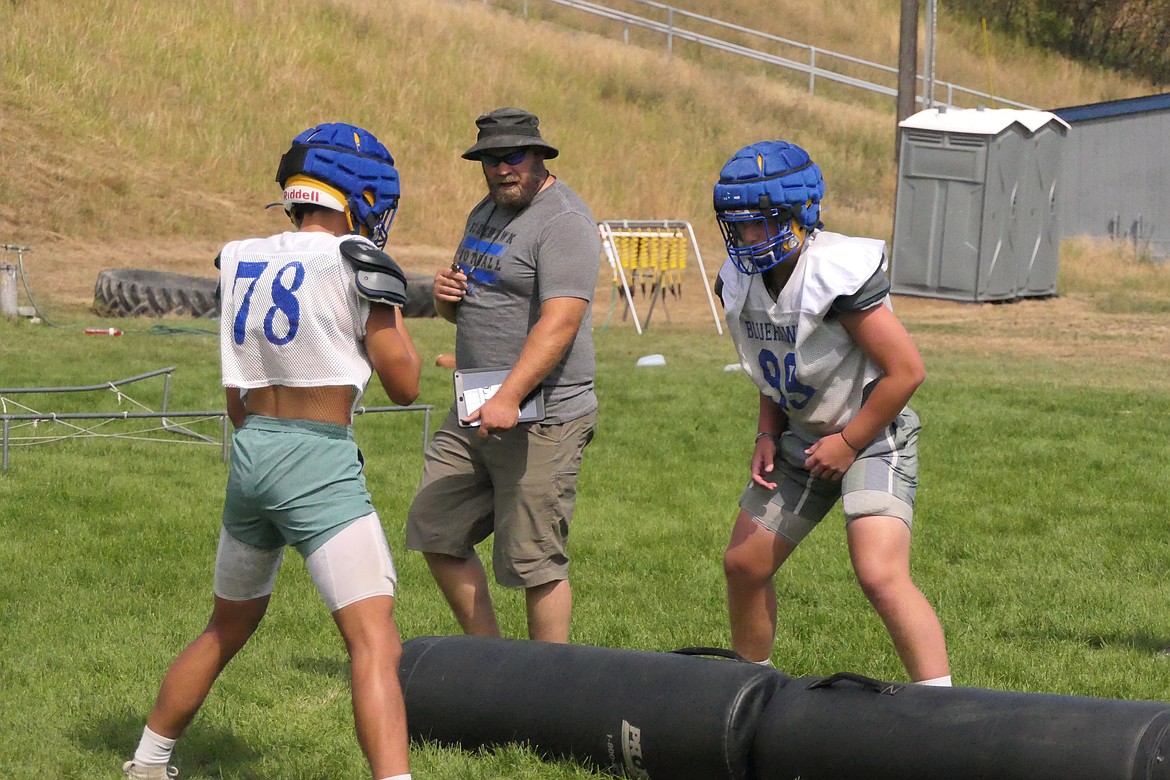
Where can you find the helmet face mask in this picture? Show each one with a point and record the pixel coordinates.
(380, 230)
(767, 203)
(759, 240)
(344, 168)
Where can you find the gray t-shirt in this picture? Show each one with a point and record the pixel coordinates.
(514, 261)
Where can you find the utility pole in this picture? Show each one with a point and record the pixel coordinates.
(907, 89)
(907, 67)
(928, 55)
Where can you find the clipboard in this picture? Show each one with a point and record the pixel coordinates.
(474, 386)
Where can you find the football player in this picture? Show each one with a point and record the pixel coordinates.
(810, 315)
(307, 317)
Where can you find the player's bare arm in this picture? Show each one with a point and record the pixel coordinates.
(392, 353)
(772, 422)
(235, 406)
(879, 332)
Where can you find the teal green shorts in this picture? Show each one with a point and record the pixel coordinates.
(293, 482)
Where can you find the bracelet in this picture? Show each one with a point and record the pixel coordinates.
(841, 433)
(762, 435)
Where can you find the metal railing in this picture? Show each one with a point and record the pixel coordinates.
(814, 62)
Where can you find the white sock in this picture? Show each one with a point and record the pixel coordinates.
(153, 749)
(399, 777)
(941, 682)
(766, 662)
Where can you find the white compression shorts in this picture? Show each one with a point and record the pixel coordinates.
(354, 565)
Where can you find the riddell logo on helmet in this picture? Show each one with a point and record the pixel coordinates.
(302, 194)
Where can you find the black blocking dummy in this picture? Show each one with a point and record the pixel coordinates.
(668, 716)
(848, 727)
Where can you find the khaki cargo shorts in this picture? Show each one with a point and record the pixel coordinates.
(520, 485)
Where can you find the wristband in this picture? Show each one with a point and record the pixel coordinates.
(841, 433)
(762, 435)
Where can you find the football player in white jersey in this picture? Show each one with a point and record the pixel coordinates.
(810, 315)
(306, 318)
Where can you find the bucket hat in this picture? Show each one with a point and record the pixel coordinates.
(508, 128)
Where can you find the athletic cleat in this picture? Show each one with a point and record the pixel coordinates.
(149, 771)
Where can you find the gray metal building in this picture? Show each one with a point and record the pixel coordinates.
(975, 215)
(1116, 180)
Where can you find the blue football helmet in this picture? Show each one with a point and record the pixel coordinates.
(775, 189)
(344, 168)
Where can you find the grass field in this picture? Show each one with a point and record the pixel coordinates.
(1040, 532)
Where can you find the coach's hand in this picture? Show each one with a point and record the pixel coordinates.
(496, 414)
(450, 284)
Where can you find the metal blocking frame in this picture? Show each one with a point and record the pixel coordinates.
(616, 233)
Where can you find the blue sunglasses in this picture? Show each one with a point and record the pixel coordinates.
(514, 157)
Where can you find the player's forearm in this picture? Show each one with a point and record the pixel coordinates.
(885, 402)
(392, 353)
(399, 377)
(772, 418)
(235, 406)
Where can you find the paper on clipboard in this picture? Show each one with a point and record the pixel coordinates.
(474, 386)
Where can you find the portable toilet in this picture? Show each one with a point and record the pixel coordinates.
(975, 213)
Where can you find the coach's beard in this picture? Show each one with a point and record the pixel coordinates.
(515, 192)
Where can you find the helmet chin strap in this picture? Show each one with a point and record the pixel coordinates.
(796, 238)
(789, 248)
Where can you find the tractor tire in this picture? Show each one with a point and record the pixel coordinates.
(136, 292)
(420, 296)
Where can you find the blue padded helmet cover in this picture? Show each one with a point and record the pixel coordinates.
(350, 159)
(772, 175)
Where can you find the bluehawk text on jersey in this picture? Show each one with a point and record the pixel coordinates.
(769, 331)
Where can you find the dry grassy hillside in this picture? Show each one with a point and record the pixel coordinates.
(136, 133)
(869, 29)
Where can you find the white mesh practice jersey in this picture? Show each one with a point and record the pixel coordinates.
(794, 348)
(290, 314)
